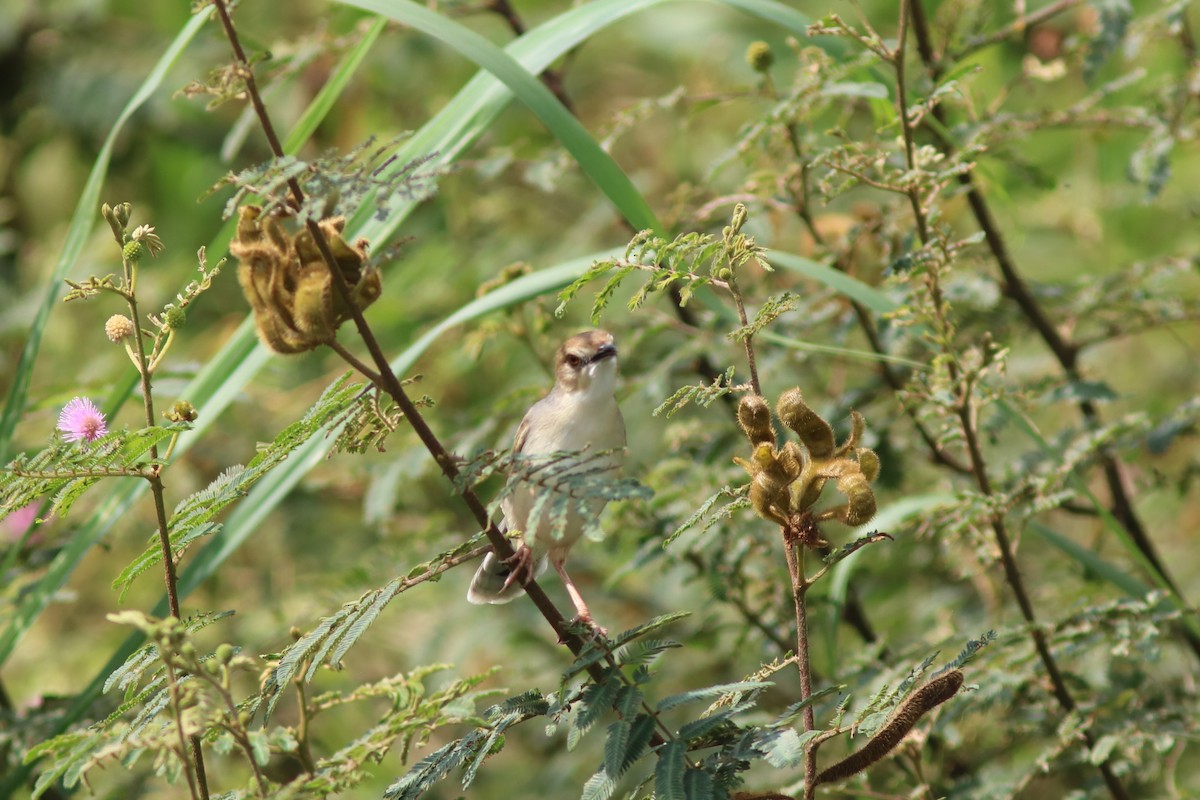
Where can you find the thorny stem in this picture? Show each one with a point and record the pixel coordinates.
(157, 491)
(967, 412)
(1064, 351)
(387, 378)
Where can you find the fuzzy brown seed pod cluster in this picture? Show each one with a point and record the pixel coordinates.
(289, 285)
(786, 481)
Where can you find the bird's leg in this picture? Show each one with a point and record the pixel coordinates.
(583, 615)
(520, 566)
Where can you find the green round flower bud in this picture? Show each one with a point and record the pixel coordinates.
(224, 653)
(174, 318)
(759, 56)
(132, 251)
(181, 411)
(118, 327)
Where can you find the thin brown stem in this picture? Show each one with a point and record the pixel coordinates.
(748, 339)
(387, 378)
(1015, 28)
(157, 492)
(794, 552)
(1012, 575)
(910, 160)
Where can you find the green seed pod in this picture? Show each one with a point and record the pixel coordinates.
(754, 415)
(814, 432)
(132, 251)
(174, 317)
(857, 426)
(808, 493)
(861, 505)
(868, 461)
(791, 460)
(759, 56)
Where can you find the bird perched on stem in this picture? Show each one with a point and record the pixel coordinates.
(580, 413)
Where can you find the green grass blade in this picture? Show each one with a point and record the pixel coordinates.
(323, 103)
(1091, 561)
(836, 280)
(87, 212)
(592, 159)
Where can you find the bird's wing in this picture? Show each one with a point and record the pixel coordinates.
(522, 434)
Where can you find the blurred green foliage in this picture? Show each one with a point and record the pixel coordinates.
(1080, 132)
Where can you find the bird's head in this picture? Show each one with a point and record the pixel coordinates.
(587, 362)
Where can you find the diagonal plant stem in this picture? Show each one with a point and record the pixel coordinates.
(387, 378)
(1065, 351)
(967, 412)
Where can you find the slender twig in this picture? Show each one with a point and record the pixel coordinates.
(1016, 27)
(966, 414)
(748, 339)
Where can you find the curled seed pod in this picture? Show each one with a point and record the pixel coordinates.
(929, 696)
(754, 415)
(868, 461)
(813, 430)
(769, 498)
(808, 492)
(861, 505)
(857, 426)
(791, 460)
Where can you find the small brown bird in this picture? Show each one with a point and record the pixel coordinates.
(579, 412)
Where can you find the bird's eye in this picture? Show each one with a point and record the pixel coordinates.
(574, 361)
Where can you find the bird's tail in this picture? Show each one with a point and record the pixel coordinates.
(488, 584)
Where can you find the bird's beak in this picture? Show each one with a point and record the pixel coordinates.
(603, 352)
